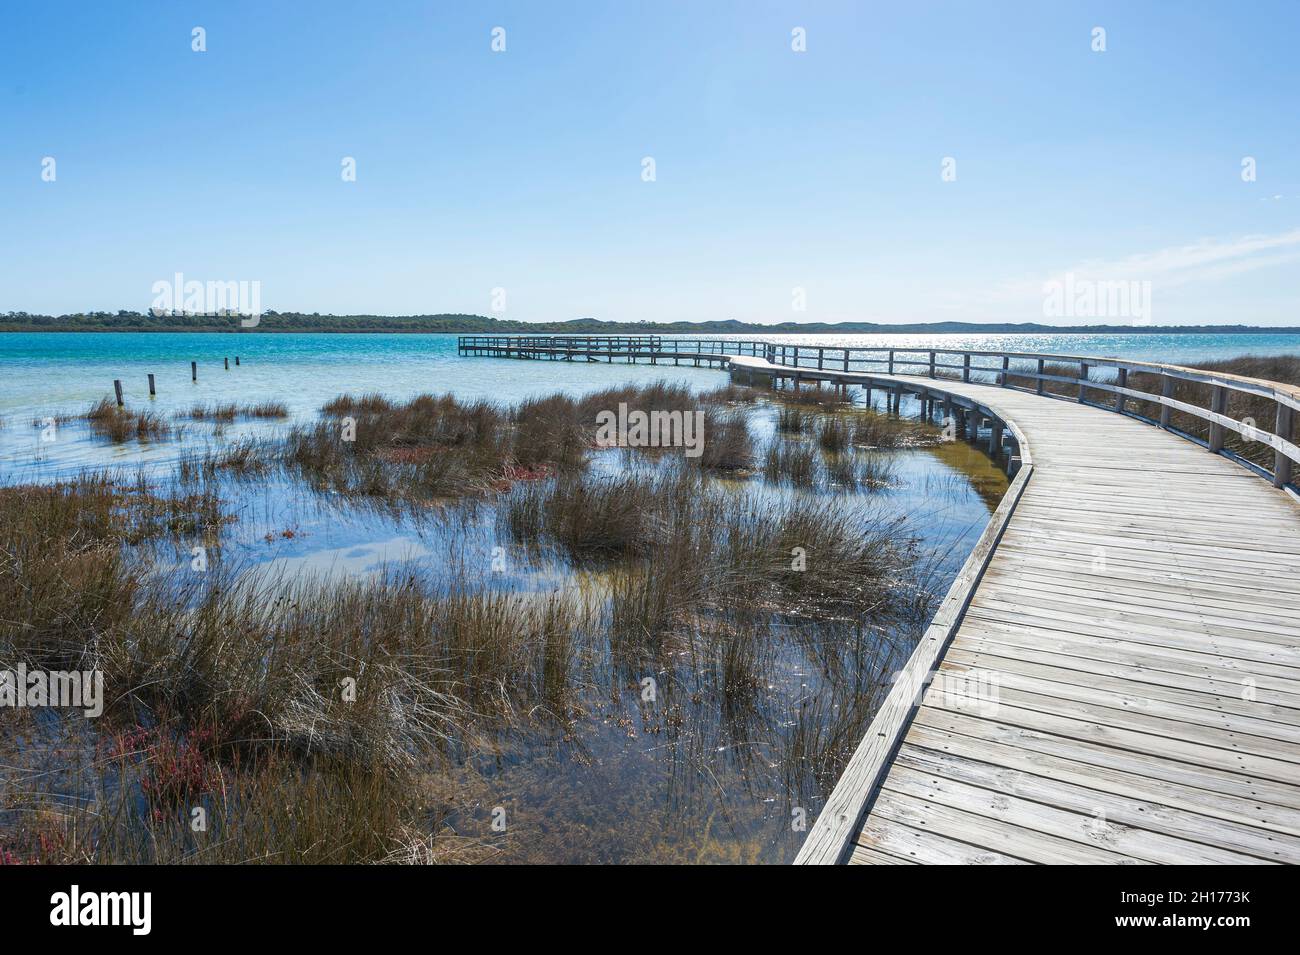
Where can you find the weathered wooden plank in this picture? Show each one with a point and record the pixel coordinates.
(1020, 840)
(1113, 774)
(1085, 816)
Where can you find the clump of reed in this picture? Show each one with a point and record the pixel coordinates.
(598, 518)
(728, 447)
(438, 447)
(791, 462)
(682, 529)
(872, 430)
(119, 425)
(833, 434)
(428, 447)
(792, 419)
(228, 412)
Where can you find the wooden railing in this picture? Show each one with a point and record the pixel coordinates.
(1097, 381)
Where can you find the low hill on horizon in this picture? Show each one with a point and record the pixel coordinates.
(272, 321)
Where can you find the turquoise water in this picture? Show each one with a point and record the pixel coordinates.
(46, 374)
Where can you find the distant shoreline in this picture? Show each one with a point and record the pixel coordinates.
(296, 322)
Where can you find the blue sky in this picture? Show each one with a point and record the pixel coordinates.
(775, 170)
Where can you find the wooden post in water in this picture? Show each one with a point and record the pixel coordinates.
(151, 391)
(227, 364)
(194, 371)
(236, 361)
(117, 388)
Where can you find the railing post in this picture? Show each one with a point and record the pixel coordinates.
(931, 364)
(1039, 387)
(1218, 405)
(891, 361)
(1166, 391)
(1006, 366)
(1121, 381)
(821, 358)
(846, 359)
(965, 367)
(1282, 463)
(1083, 379)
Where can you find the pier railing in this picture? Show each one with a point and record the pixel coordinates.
(1105, 382)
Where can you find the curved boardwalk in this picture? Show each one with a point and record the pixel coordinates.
(1124, 682)
(1114, 676)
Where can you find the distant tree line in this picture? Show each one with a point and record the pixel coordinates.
(272, 321)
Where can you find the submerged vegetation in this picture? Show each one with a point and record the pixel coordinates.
(723, 624)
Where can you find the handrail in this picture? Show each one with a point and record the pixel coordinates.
(973, 367)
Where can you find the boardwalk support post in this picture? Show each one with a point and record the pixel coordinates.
(1283, 429)
(1218, 405)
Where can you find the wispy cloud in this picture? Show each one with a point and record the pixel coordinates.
(1203, 261)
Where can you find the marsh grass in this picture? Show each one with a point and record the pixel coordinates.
(227, 688)
(231, 686)
(728, 446)
(226, 413)
(119, 425)
(440, 448)
(834, 433)
(791, 462)
(882, 432)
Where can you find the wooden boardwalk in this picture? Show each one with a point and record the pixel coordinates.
(1123, 685)
(1114, 676)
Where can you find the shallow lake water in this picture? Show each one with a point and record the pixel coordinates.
(701, 775)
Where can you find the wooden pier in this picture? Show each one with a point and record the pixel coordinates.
(1114, 676)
